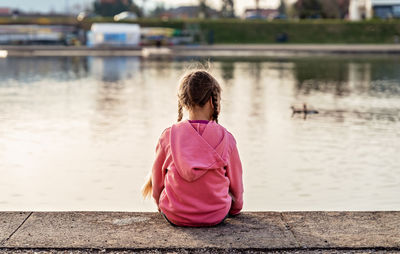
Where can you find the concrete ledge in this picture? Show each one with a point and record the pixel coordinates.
(150, 233)
(259, 50)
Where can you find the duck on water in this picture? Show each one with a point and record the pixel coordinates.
(303, 110)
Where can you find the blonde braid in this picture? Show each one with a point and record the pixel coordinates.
(180, 111)
(214, 98)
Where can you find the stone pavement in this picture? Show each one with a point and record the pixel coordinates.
(250, 232)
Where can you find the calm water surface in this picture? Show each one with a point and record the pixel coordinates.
(80, 133)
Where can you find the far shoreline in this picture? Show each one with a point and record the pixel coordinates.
(218, 50)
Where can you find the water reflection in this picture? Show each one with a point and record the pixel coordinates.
(94, 122)
(117, 81)
(326, 77)
(26, 70)
(347, 76)
(114, 69)
(359, 78)
(228, 70)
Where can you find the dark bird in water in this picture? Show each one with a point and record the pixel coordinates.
(303, 110)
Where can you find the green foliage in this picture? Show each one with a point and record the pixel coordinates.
(232, 31)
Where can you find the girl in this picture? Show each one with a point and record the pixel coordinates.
(197, 174)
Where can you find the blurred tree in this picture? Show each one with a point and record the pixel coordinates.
(111, 8)
(203, 9)
(160, 9)
(343, 8)
(228, 9)
(309, 9)
(282, 8)
(258, 14)
(331, 9)
(137, 10)
(291, 11)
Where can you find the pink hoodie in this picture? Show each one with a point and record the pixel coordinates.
(197, 174)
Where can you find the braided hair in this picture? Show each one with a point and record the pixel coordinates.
(195, 89)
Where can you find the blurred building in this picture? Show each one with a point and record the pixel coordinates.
(38, 34)
(366, 9)
(5, 12)
(360, 9)
(260, 13)
(386, 8)
(187, 12)
(113, 34)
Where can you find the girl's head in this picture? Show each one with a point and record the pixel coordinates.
(196, 89)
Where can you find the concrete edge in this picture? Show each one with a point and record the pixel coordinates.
(268, 50)
(311, 231)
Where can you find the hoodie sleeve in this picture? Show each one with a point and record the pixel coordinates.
(158, 173)
(234, 173)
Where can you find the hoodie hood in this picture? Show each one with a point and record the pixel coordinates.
(195, 154)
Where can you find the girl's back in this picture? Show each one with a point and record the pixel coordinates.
(203, 167)
(197, 175)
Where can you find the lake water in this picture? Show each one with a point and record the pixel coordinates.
(79, 133)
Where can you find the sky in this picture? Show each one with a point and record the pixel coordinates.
(78, 5)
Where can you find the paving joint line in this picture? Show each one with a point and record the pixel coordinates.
(287, 226)
(15, 231)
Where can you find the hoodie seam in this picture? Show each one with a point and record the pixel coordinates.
(217, 157)
(205, 147)
(215, 162)
(165, 136)
(163, 150)
(232, 143)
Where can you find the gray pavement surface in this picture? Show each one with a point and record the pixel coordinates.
(250, 232)
(9, 222)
